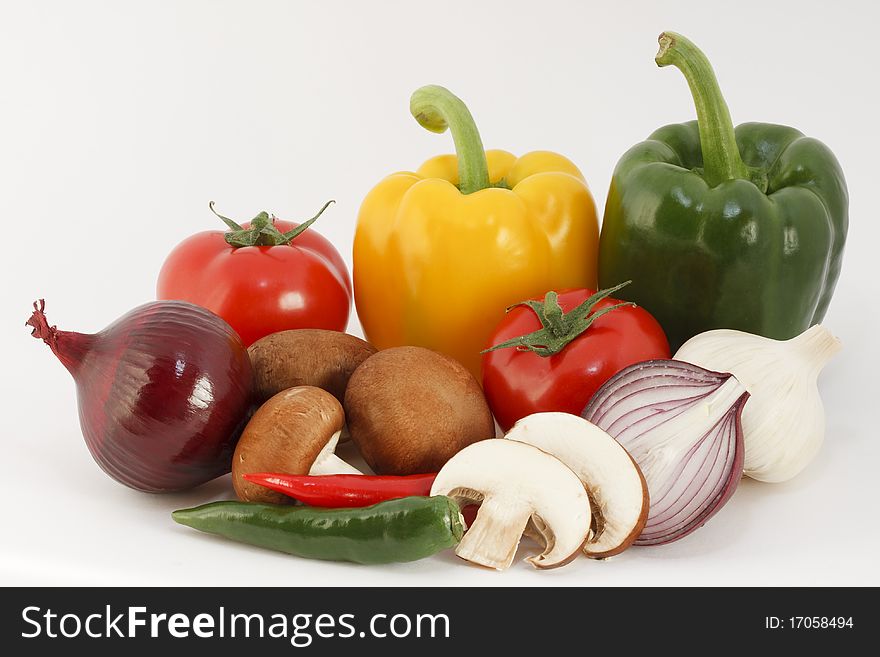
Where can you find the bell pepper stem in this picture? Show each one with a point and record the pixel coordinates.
(436, 109)
(721, 157)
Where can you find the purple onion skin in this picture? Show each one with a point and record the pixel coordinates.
(163, 393)
(598, 407)
(725, 494)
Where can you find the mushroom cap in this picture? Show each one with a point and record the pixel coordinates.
(618, 492)
(306, 357)
(409, 409)
(521, 483)
(285, 436)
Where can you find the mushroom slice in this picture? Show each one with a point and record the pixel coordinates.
(294, 432)
(515, 483)
(618, 493)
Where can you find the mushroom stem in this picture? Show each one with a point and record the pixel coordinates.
(494, 536)
(327, 463)
(332, 464)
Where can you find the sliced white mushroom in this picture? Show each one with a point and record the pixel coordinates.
(514, 483)
(617, 489)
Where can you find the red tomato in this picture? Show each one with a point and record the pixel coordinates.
(519, 383)
(260, 290)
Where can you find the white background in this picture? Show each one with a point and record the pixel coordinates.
(120, 121)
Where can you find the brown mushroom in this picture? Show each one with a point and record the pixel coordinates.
(410, 409)
(306, 357)
(295, 432)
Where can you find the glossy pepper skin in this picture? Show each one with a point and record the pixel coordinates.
(724, 228)
(404, 529)
(344, 490)
(440, 253)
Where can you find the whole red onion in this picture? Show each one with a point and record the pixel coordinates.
(163, 392)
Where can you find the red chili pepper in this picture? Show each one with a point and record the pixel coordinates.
(344, 490)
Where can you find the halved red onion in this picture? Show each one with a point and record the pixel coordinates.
(681, 424)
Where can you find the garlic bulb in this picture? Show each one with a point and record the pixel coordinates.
(783, 422)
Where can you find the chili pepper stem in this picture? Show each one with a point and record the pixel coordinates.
(721, 158)
(436, 109)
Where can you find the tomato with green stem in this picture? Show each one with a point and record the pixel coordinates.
(553, 354)
(262, 277)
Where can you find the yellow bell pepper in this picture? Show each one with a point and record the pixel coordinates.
(440, 253)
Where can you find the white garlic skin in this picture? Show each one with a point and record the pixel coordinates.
(783, 421)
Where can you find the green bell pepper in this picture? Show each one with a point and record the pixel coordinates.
(720, 227)
(404, 529)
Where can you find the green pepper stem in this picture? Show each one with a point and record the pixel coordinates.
(436, 108)
(721, 158)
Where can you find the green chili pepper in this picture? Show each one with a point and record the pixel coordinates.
(404, 529)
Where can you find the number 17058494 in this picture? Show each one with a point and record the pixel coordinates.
(808, 622)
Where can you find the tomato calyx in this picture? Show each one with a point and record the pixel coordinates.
(262, 231)
(559, 328)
